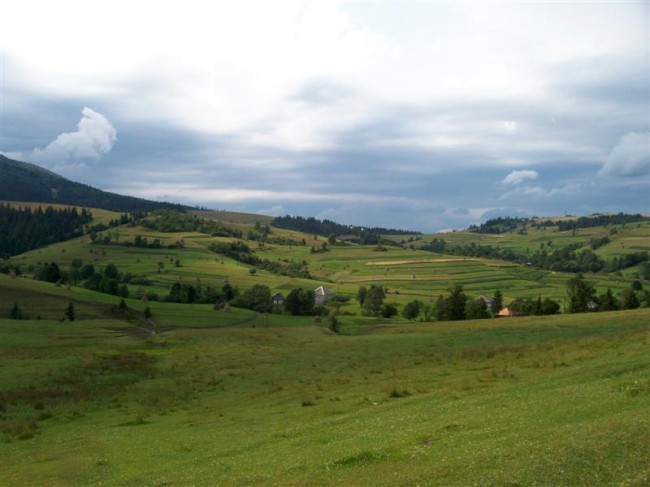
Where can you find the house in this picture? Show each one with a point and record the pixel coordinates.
(278, 299)
(322, 295)
(505, 313)
(487, 301)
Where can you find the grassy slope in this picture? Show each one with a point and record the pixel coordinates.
(210, 400)
(537, 401)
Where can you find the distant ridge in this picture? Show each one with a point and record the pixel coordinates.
(22, 181)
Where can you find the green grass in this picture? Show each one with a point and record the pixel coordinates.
(535, 401)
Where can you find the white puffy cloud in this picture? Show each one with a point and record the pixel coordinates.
(95, 136)
(630, 157)
(516, 177)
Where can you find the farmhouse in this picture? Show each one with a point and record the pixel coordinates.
(505, 313)
(278, 299)
(322, 295)
(486, 300)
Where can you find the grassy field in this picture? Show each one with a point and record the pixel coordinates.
(623, 239)
(194, 396)
(533, 401)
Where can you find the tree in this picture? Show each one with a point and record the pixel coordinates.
(16, 313)
(333, 324)
(442, 309)
(476, 309)
(411, 310)
(111, 272)
(70, 313)
(300, 302)
(229, 292)
(581, 293)
(630, 300)
(457, 302)
(497, 303)
(644, 270)
(361, 294)
(608, 301)
(549, 307)
(373, 301)
(147, 313)
(257, 298)
(388, 310)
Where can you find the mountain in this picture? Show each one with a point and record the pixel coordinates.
(22, 181)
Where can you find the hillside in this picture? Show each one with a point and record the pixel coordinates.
(151, 384)
(22, 181)
(101, 402)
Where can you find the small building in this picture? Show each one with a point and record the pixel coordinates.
(322, 295)
(505, 313)
(487, 301)
(278, 299)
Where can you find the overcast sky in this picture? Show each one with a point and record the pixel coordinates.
(421, 115)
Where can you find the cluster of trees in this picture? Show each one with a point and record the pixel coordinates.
(23, 229)
(241, 252)
(364, 235)
(597, 221)
(458, 306)
(107, 280)
(507, 224)
(372, 302)
(567, 259)
(176, 221)
(498, 225)
(188, 293)
(582, 297)
(300, 302)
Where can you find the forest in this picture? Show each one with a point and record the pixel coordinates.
(23, 229)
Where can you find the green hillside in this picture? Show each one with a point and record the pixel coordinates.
(138, 390)
(536, 401)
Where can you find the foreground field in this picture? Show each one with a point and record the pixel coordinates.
(560, 400)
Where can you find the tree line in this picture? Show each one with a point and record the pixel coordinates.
(570, 258)
(241, 252)
(23, 229)
(365, 235)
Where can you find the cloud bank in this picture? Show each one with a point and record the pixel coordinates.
(630, 157)
(94, 137)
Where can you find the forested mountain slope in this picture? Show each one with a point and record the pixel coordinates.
(22, 181)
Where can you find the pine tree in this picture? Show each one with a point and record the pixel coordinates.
(70, 313)
(16, 313)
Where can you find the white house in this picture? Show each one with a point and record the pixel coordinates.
(322, 295)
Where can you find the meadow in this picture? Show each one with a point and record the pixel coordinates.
(530, 401)
(195, 396)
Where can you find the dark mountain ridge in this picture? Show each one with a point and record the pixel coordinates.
(22, 181)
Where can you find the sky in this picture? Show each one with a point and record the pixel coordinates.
(413, 115)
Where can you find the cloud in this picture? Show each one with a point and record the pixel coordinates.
(509, 125)
(630, 157)
(516, 177)
(94, 137)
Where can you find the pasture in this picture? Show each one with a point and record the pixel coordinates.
(557, 400)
